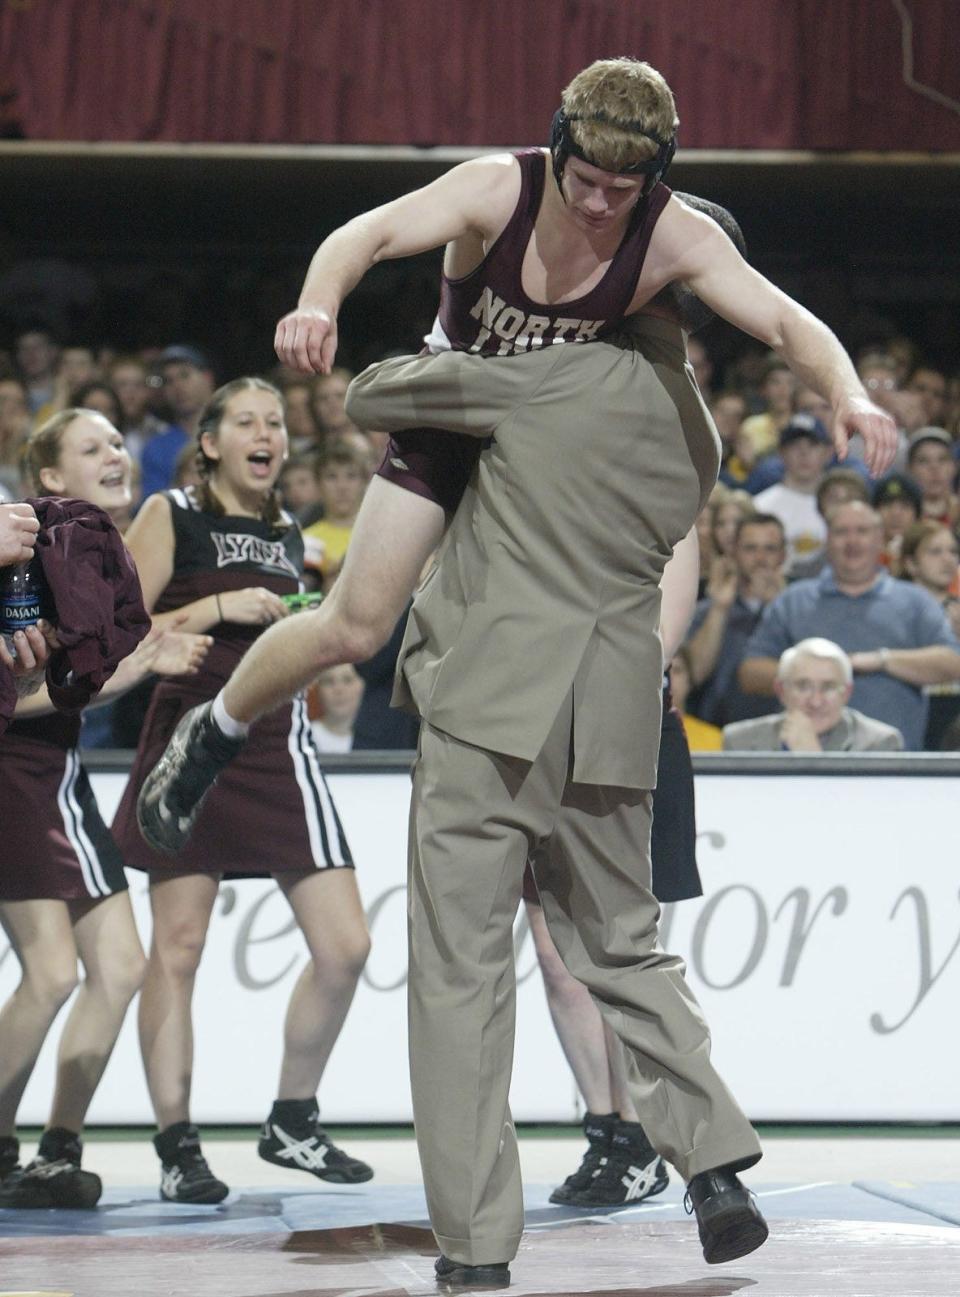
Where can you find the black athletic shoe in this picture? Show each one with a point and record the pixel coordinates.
(293, 1137)
(174, 790)
(728, 1216)
(184, 1174)
(598, 1129)
(15, 1193)
(54, 1178)
(453, 1274)
(631, 1171)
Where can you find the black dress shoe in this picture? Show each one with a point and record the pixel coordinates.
(454, 1274)
(727, 1214)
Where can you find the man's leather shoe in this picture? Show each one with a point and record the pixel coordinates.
(454, 1274)
(727, 1214)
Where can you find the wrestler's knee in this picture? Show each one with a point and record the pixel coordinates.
(361, 629)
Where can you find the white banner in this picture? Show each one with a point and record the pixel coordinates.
(825, 955)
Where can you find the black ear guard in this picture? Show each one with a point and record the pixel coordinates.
(563, 146)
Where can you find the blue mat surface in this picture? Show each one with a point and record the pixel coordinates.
(138, 1212)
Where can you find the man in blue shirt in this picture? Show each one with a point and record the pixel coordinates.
(188, 383)
(896, 634)
(737, 593)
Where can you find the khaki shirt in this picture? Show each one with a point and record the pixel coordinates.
(548, 578)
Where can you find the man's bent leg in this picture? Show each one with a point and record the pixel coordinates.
(472, 819)
(595, 891)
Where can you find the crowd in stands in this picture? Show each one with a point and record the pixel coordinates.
(829, 603)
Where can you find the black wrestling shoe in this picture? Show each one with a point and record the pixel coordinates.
(174, 790)
(727, 1213)
(184, 1174)
(599, 1132)
(631, 1171)
(25, 1196)
(55, 1175)
(293, 1137)
(453, 1274)
(11, 1178)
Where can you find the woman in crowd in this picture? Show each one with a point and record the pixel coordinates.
(63, 894)
(222, 555)
(717, 532)
(339, 693)
(726, 513)
(930, 557)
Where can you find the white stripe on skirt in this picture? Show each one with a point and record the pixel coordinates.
(71, 814)
(313, 789)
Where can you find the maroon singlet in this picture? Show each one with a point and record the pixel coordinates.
(487, 312)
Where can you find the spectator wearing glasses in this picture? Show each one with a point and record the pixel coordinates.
(897, 637)
(881, 376)
(814, 682)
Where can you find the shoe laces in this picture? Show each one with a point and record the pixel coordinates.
(43, 1168)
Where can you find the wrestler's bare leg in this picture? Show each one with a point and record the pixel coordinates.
(395, 533)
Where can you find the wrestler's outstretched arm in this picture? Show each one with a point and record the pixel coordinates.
(699, 253)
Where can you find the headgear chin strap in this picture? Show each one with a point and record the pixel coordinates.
(563, 145)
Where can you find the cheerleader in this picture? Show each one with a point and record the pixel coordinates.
(223, 555)
(63, 894)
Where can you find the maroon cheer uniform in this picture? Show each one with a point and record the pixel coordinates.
(270, 810)
(55, 845)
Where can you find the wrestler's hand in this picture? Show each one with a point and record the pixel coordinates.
(18, 533)
(875, 426)
(306, 339)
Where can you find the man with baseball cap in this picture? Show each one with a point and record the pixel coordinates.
(933, 466)
(899, 502)
(188, 383)
(806, 451)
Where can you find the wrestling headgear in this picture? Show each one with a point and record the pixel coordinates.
(562, 145)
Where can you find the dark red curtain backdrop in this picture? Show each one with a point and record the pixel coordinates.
(774, 74)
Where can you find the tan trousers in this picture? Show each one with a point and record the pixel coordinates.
(476, 817)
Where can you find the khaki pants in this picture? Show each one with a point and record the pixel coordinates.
(476, 818)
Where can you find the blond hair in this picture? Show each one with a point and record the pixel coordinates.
(45, 444)
(622, 90)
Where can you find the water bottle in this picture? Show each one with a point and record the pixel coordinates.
(24, 598)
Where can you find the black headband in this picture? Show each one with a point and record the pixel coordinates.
(563, 145)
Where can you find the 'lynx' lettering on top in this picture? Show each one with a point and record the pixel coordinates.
(235, 547)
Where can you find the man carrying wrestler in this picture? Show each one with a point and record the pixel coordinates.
(544, 247)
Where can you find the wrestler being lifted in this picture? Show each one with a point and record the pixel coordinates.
(543, 247)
